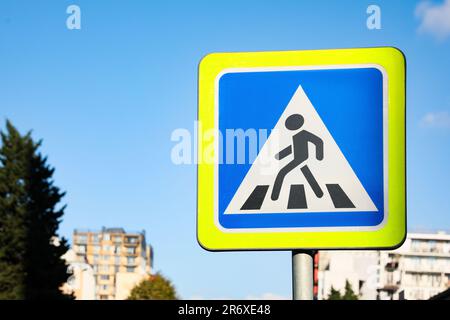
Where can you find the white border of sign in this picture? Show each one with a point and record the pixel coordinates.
(302, 68)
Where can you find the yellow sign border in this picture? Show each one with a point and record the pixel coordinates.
(391, 234)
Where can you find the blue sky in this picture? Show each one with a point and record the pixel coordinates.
(106, 99)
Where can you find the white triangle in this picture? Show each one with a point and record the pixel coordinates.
(333, 169)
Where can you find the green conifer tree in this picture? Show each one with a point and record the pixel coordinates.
(334, 294)
(30, 251)
(349, 293)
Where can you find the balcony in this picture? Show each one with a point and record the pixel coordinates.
(80, 240)
(424, 268)
(117, 240)
(390, 288)
(131, 241)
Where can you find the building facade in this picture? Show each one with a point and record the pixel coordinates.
(119, 260)
(418, 270)
(81, 282)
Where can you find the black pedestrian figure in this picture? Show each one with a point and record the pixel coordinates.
(299, 149)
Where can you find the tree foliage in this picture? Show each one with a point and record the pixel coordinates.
(30, 259)
(334, 294)
(349, 294)
(156, 287)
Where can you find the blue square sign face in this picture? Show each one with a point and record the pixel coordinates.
(312, 141)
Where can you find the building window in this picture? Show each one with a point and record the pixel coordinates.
(415, 245)
(81, 238)
(130, 260)
(96, 258)
(95, 238)
(96, 249)
(104, 277)
(116, 250)
(117, 239)
(131, 239)
(105, 257)
(104, 268)
(106, 248)
(130, 269)
(131, 250)
(81, 249)
(103, 287)
(106, 237)
(117, 260)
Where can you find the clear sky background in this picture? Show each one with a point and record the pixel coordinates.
(105, 100)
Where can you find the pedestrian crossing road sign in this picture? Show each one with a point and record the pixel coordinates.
(302, 149)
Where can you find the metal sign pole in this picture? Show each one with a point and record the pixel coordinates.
(302, 274)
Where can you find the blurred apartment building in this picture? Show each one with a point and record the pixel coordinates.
(107, 264)
(418, 270)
